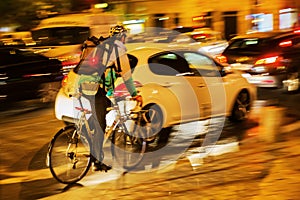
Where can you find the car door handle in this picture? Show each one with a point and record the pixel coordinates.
(201, 85)
(168, 84)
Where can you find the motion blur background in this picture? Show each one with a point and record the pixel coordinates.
(230, 17)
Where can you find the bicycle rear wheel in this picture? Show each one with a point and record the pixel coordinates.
(69, 156)
(127, 150)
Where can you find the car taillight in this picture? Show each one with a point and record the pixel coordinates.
(267, 60)
(221, 58)
(268, 81)
(64, 81)
(286, 43)
(70, 61)
(200, 36)
(297, 31)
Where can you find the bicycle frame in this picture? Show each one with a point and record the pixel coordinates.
(119, 119)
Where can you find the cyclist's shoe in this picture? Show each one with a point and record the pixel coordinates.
(99, 166)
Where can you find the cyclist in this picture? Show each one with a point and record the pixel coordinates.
(118, 57)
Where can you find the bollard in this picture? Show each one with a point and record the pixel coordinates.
(256, 111)
(270, 123)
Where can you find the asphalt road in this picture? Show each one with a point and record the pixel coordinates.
(26, 135)
(25, 138)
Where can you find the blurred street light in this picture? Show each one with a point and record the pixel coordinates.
(101, 5)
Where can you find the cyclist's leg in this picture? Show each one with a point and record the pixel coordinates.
(100, 106)
(96, 138)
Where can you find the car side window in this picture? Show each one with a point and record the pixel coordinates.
(132, 61)
(202, 65)
(169, 64)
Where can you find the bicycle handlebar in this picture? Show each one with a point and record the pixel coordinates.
(137, 107)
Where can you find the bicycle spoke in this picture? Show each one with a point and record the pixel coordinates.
(69, 156)
(128, 150)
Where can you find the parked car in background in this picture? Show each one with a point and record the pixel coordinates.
(265, 58)
(25, 75)
(179, 83)
(62, 36)
(184, 29)
(20, 39)
(205, 39)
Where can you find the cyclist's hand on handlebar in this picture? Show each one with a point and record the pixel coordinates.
(138, 99)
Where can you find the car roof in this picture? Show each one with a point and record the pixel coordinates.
(157, 47)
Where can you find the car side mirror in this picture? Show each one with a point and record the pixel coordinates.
(225, 70)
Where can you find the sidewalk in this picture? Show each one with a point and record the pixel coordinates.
(259, 170)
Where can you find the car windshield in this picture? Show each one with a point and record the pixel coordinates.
(61, 35)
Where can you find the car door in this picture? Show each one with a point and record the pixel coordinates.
(211, 92)
(190, 89)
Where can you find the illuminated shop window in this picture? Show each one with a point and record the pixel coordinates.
(287, 18)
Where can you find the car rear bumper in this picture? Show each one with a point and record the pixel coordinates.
(261, 80)
(65, 107)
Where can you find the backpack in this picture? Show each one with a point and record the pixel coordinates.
(91, 62)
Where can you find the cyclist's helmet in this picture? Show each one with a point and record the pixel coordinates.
(118, 31)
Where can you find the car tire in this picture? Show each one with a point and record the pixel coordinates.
(155, 116)
(160, 135)
(241, 107)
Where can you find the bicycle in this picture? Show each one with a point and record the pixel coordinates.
(69, 157)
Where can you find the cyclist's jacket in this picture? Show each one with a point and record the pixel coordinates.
(110, 54)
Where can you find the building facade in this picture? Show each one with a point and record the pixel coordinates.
(229, 17)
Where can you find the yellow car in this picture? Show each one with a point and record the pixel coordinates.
(180, 83)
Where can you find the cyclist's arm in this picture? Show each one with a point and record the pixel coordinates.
(126, 74)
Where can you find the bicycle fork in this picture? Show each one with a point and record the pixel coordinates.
(72, 154)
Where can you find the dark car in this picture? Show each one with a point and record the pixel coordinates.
(265, 58)
(25, 75)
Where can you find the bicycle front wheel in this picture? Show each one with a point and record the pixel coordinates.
(69, 156)
(127, 150)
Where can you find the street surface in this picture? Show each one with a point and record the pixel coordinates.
(239, 166)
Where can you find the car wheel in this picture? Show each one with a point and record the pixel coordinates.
(155, 118)
(241, 107)
(158, 136)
